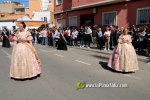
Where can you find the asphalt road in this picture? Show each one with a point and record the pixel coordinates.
(62, 70)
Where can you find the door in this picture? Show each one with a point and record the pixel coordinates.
(86, 20)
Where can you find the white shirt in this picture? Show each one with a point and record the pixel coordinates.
(75, 34)
(89, 31)
(107, 33)
(57, 34)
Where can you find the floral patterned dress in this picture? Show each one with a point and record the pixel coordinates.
(124, 57)
(24, 63)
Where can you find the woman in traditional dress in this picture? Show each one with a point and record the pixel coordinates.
(62, 43)
(25, 62)
(124, 58)
(5, 37)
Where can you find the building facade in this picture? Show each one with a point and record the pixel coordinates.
(27, 11)
(34, 5)
(9, 21)
(12, 7)
(45, 5)
(121, 13)
(38, 9)
(12, 21)
(40, 16)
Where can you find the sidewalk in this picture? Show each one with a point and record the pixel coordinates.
(106, 54)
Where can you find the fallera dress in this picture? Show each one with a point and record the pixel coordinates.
(25, 62)
(124, 57)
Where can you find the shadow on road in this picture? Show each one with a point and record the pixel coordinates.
(100, 57)
(26, 79)
(104, 65)
(148, 60)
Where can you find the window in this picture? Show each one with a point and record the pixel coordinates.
(50, 1)
(109, 18)
(143, 16)
(42, 19)
(73, 21)
(45, 19)
(62, 23)
(22, 10)
(2, 15)
(58, 2)
(4, 27)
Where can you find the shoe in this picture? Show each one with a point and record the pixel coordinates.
(108, 49)
(88, 47)
(105, 49)
(80, 46)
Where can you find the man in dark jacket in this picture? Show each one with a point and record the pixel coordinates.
(148, 43)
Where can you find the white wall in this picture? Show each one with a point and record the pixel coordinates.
(7, 24)
(25, 18)
(31, 28)
(39, 15)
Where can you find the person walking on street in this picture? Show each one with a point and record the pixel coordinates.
(148, 42)
(44, 36)
(112, 36)
(107, 39)
(88, 34)
(57, 34)
(82, 36)
(141, 41)
(124, 57)
(67, 35)
(74, 37)
(5, 38)
(100, 38)
(25, 63)
(94, 35)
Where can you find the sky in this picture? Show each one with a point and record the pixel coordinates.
(25, 2)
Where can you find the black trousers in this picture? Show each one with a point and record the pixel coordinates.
(140, 46)
(88, 39)
(100, 42)
(68, 40)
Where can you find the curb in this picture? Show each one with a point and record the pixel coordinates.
(105, 55)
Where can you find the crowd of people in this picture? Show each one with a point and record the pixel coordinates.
(103, 38)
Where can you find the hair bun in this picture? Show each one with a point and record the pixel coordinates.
(23, 24)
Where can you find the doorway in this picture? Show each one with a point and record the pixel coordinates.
(86, 20)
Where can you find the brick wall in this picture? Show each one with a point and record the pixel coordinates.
(84, 2)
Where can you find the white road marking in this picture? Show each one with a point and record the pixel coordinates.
(82, 62)
(131, 76)
(48, 51)
(58, 55)
(6, 52)
(8, 55)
